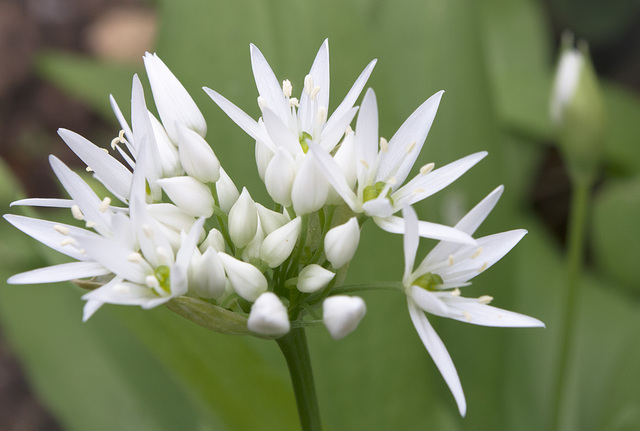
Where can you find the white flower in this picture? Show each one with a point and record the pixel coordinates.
(342, 314)
(381, 173)
(313, 278)
(433, 286)
(246, 280)
(269, 316)
(341, 243)
(197, 157)
(288, 123)
(279, 244)
(279, 177)
(227, 192)
(243, 220)
(189, 194)
(310, 189)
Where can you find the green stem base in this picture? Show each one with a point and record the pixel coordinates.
(296, 353)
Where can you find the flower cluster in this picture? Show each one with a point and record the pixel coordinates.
(183, 234)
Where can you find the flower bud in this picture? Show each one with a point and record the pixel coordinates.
(243, 220)
(313, 278)
(279, 244)
(341, 242)
(172, 99)
(246, 280)
(577, 110)
(271, 220)
(269, 316)
(310, 188)
(279, 177)
(263, 157)
(189, 194)
(208, 278)
(169, 158)
(227, 192)
(215, 240)
(197, 157)
(342, 314)
(251, 252)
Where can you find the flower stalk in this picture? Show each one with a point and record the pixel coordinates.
(296, 353)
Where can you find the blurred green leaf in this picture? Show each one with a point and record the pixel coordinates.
(616, 231)
(622, 151)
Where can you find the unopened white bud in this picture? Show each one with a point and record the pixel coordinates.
(342, 314)
(269, 316)
(227, 191)
(243, 220)
(310, 188)
(197, 157)
(209, 278)
(279, 244)
(172, 99)
(279, 176)
(169, 158)
(189, 194)
(263, 157)
(341, 242)
(252, 250)
(215, 240)
(271, 220)
(313, 278)
(245, 279)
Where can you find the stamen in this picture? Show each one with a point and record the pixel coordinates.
(455, 292)
(384, 145)
(76, 213)
(293, 102)
(134, 257)
(287, 88)
(88, 169)
(91, 224)
(427, 168)
(410, 147)
(151, 281)
(104, 206)
(349, 130)
(105, 150)
(451, 260)
(485, 299)
(61, 229)
(467, 316)
(392, 181)
(322, 115)
(308, 84)
(114, 143)
(67, 241)
(477, 253)
(484, 266)
(314, 92)
(262, 103)
(147, 230)
(364, 163)
(418, 191)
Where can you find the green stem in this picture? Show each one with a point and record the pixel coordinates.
(296, 353)
(576, 239)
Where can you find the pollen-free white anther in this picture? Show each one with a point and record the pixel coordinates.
(76, 213)
(427, 168)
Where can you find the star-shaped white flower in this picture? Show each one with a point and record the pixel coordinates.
(434, 286)
(377, 189)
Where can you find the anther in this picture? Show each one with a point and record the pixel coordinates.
(392, 181)
(262, 103)
(88, 169)
(104, 206)
(287, 88)
(410, 147)
(314, 92)
(364, 163)
(293, 102)
(427, 168)
(91, 224)
(484, 266)
(134, 257)
(467, 316)
(61, 229)
(114, 143)
(322, 115)
(121, 288)
(67, 241)
(151, 281)
(477, 253)
(485, 299)
(76, 213)
(451, 260)
(105, 150)
(418, 191)
(384, 145)
(147, 230)
(455, 292)
(308, 84)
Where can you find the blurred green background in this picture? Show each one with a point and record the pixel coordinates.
(131, 370)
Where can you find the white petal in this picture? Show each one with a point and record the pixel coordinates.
(143, 131)
(367, 138)
(197, 157)
(246, 280)
(179, 282)
(279, 177)
(313, 278)
(123, 125)
(425, 230)
(44, 202)
(209, 279)
(63, 272)
(246, 123)
(280, 133)
(396, 162)
(125, 293)
(333, 174)
(168, 153)
(429, 302)
(332, 134)
(279, 244)
(341, 243)
(411, 239)
(268, 85)
(269, 316)
(243, 220)
(470, 222)
(227, 191)
(342, 314)
(486, 315)
(423, 186)
(439, 354)
(111, 172)
(174, 103)
(345, 157)
(379, 207)
(263, 156)
(310, 188)
(320, 73)
(90, 308)
(270, 220)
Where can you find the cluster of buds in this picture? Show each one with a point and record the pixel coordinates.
(185, 236)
